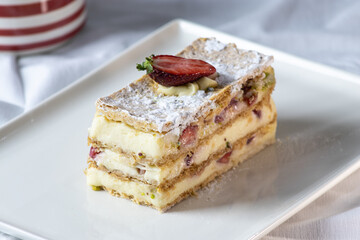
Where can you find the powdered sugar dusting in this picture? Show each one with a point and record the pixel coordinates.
(231, 63)
(229, 73)
(140, 102)
(213, 45)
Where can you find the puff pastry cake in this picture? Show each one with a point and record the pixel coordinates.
(166, 135)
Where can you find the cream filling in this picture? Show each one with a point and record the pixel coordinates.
(153, 144)
(142, 192)
(119, 134)
(156, 175)
(188, 89)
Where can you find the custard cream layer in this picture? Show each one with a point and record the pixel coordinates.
(161, 200)
(153, 145)
(118, 134)
(241, 127)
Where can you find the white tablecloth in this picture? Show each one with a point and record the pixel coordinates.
(322, 31)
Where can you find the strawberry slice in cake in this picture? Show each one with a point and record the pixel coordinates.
(191, 118)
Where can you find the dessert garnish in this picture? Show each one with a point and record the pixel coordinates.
(93, 152)
(188, 159)
(250, 139)
(188, 89)
(96, 188)
(189, 135)
(257, 113)
(169, 70)
(225, 158)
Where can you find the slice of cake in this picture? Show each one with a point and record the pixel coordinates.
(193, 117)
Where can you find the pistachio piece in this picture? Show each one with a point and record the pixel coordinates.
(96, 188)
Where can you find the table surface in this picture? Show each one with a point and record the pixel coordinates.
(322, 31)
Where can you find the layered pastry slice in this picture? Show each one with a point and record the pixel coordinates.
(191, 118)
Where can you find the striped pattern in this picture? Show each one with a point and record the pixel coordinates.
(37, 25)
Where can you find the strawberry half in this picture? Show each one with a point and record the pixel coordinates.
(169, 70)
(189, 135)
(225, 158)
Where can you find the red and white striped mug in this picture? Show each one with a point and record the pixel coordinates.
(29, 26)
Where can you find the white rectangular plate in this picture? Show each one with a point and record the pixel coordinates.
(43, 154)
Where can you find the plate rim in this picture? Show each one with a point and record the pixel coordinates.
(322, 188)
(182, 24)
(15, 231)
